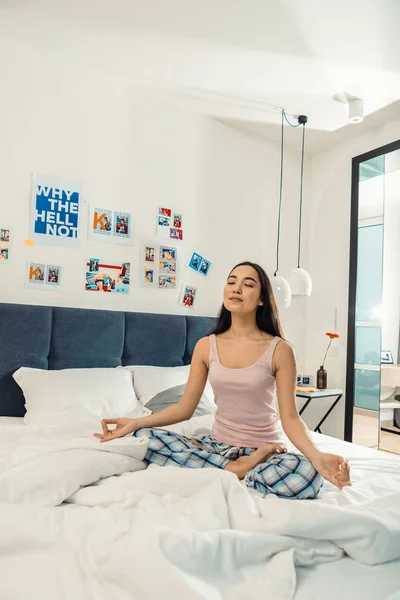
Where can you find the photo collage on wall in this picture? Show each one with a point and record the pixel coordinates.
(199, 264)
(56, 211)
(106, 225)
(5, 245)
(103, 276)
(56, 219)
(40, 276)
(169, 224)
(159, 266)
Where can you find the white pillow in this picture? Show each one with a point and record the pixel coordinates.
(100, 392)
(150, 381)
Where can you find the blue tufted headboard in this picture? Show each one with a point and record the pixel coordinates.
(46, 337)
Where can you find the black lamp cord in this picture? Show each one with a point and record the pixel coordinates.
(301, 195)
(284, 117)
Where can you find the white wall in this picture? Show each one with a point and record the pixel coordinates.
(131, 149)
(327, 228)
(127, 146)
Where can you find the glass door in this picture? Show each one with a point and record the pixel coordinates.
(373, 372)
(368, 302)
(390, 318)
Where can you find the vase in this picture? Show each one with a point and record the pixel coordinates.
(322, 378)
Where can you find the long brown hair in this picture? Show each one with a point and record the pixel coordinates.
(267, 315)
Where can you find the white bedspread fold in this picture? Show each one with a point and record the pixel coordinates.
(163, 532)
(53, 461)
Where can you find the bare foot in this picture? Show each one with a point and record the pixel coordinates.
(243, 464)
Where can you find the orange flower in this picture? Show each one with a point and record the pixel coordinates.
(331, 337)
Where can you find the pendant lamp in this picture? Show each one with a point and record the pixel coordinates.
(280, 286)
(299, 279)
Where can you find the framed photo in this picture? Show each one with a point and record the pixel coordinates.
(176, 234)
(148, 275)
(188, 296)
(199, 264)
(164, 221)
(94, 265)
(149, 255)
(178, 220)
(167, 266)
(4, 254)
(159, 266)
(167, 282)
(36, 274)
(205, 267)
(107, 276)
(386, 357)
(5, 246)
(169, 224)
(101, 221)
(168, 253)
(166, 212)
(113, 227)
(44, 277)
(194, 262)
(5, 235)
(122, 225)
(53, 275)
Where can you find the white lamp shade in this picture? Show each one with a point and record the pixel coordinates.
(282, 292)
(300, 282)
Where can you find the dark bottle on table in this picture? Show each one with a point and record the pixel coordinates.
(322, 378)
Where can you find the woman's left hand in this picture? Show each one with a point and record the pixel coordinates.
(333, 468)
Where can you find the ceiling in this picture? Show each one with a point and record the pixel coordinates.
(316, 140)
(237, 60)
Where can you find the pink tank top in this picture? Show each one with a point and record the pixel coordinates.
(246, 414)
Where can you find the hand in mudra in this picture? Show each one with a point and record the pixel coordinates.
(122, 427)
(333, 468)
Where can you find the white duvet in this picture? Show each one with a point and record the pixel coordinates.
(163, 532)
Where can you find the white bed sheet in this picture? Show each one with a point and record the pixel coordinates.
(11, 431)
(374, 474)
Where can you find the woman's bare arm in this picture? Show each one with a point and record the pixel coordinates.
(286, 378)
(332, 467)
(182, 411)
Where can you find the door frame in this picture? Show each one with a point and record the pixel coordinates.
(351, 312)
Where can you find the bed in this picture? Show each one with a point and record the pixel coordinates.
(80, 522)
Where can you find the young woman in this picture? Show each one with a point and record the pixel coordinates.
(247, 361)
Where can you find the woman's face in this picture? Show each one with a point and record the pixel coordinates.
(242, 291)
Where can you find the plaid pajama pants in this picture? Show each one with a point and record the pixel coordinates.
(285, 475)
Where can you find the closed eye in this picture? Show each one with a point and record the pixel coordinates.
(246, 284)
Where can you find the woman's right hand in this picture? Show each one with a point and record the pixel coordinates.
(122, 427)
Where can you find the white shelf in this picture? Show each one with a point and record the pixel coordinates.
(321, 393)
(394, 404)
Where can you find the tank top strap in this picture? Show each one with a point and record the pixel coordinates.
(213, 355)
(269, 355)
